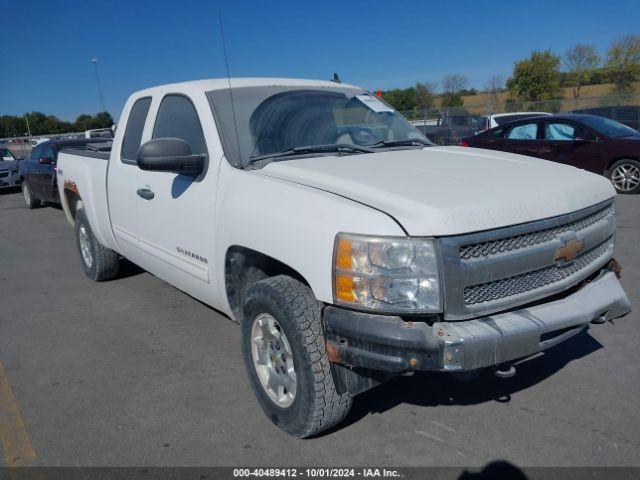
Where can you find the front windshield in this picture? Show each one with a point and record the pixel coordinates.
(276, 119)
(608, 127)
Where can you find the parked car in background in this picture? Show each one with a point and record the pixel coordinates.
(596, 144)
(486, 122)
(348, 247)
(39, 170)
(626, 114)
(9, 169)
(448, 129)
(6, 155)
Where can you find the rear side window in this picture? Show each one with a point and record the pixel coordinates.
(135, 126)
(498, 133)
(178, 118)
(528, 131)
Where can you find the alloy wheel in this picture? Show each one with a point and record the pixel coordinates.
(626, 177)
(85, 246)
(273, 360)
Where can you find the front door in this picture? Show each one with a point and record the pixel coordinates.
(177, 211)
(571, 144)
(42, 173)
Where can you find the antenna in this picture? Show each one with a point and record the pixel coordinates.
(233, 107)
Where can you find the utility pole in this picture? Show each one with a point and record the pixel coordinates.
(94, 60)
(26, 119)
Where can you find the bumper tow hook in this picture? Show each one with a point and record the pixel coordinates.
(504, 371)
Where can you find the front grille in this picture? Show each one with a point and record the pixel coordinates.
(4, 174)
(496, 247)
(527, 282)
(493, 270)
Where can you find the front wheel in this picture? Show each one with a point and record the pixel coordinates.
(284, 354)
(98, 262)
(625, 176)
(31, 201)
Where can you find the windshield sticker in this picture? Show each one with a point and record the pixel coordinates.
(373, 103)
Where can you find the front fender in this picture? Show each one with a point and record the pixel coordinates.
(292, 223)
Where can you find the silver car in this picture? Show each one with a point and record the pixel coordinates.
(9, 172)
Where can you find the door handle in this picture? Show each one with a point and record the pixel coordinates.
(146, 193)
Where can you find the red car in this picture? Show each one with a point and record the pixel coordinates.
(593, 143)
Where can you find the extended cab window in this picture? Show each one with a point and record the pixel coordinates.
(528, 131)
(178, 118)
(135, 126)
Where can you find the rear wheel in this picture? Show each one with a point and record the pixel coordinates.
(284, 353)
(625, 176)
(98, 262)
(31, 201)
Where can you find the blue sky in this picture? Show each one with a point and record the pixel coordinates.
(46, 46)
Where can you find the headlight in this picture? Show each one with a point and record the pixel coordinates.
(387, 274)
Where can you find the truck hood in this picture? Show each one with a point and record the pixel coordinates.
(440, 191)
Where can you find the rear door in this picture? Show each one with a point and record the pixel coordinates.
(124, 179)
(29, 166)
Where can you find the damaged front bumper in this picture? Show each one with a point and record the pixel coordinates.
(393, 345)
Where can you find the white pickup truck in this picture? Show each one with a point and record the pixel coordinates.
(348, 247)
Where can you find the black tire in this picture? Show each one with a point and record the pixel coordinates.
(317, 405)
(247, 277)
(104, 263)
(614, 174)
(29, 198)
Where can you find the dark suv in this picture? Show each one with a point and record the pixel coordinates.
(39, 170)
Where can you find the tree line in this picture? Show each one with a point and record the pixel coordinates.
(538, 78)
(41, 124)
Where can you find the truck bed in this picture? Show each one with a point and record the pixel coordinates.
(100, 150)
(83, 173)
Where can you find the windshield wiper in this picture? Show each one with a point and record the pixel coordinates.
(401, 143)
(332, 147)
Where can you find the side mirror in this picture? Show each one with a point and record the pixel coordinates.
(169, 155)
(45, 161)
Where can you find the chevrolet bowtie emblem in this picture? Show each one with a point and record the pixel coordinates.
(569, 251)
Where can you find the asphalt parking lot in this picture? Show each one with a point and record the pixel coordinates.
(133, 372)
